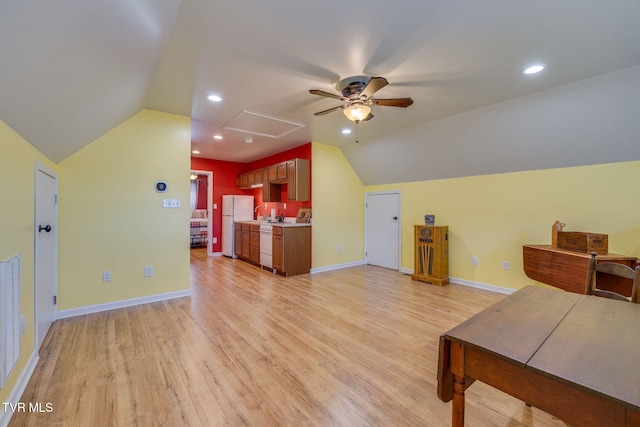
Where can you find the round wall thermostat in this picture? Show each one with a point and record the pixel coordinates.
(161, 186)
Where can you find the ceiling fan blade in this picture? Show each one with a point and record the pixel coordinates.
(374, 85)
(330, 110)
(327, 94)
(392, 102)
(369, 117)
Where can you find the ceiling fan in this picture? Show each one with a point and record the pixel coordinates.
(357, 93)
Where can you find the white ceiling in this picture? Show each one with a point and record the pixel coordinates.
(71, 70)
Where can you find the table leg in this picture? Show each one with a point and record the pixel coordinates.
(457, 369)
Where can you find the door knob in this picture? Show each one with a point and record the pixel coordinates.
(46, 228)
(395, 218)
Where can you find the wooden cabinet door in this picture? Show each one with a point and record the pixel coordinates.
(278, 173)
(257, 176)
(291, 180)
(246, 243)
(276, 261)
(237, 241)
(299, 180)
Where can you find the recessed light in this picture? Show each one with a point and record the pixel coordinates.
(195, 152)
(214, 98)
(346, 131)
(534, 69)
(217, 136)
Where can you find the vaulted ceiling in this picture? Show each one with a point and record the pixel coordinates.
(71, 70)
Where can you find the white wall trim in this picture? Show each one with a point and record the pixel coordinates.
(72, 312)
(19, 388)
(480, 285)
(216, 254)
(336, 266)
(471, 284)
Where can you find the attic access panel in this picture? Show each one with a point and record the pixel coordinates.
(260, 124)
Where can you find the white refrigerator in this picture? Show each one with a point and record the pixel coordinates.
(234, 208)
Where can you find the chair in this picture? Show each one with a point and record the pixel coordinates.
(616, 270)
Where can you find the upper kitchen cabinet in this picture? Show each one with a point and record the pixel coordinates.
(278, 173)
(296, 173)
(299, 180)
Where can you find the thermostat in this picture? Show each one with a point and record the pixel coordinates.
(161, 186)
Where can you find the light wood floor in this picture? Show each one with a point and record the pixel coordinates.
(352, 347)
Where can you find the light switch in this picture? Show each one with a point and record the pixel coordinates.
(170, 203)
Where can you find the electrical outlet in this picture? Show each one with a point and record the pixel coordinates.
(474, 260)
(148, 270)
(505, 265)
(106, 276)
(339, 248)
(214, 240)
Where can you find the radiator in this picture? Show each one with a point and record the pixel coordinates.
(10, 315)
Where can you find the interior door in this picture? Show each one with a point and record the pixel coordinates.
(46, 255)
(382, 229)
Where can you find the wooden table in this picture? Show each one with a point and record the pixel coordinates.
(574, 356)
(567, 270)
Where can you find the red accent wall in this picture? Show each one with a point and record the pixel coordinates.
(224, 182)
(202, 192)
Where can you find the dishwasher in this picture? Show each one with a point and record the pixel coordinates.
(266, 245)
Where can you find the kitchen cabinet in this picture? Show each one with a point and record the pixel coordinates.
(278, 173)
(271, 192)
(244, 252)
(237, 239)
(296, 173)
(299, 180)
(291, 250)
(247, 242)
(254, 244)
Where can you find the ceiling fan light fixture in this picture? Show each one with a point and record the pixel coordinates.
(357, 112)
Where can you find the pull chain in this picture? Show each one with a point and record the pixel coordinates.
(357, 134)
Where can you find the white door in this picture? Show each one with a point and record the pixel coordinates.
(382, 229)
(46, 255)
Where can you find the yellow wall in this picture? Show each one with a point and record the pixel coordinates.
(17, 183)
(492, 216)
(112, 219)
(338, 209)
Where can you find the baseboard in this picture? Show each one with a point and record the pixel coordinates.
(336, 267)
(72, 312)
(471, 284)
(480, 285)
(216, 254)
(18, 389)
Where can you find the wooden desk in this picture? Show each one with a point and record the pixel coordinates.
(573, 356)
(568, 269)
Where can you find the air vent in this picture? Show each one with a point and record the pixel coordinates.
(10, 315)
(259, 124)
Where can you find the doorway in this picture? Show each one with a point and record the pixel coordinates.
(382, 225)
(207, 204)
(46, 250)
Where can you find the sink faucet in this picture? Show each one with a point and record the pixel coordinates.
(256, 211)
